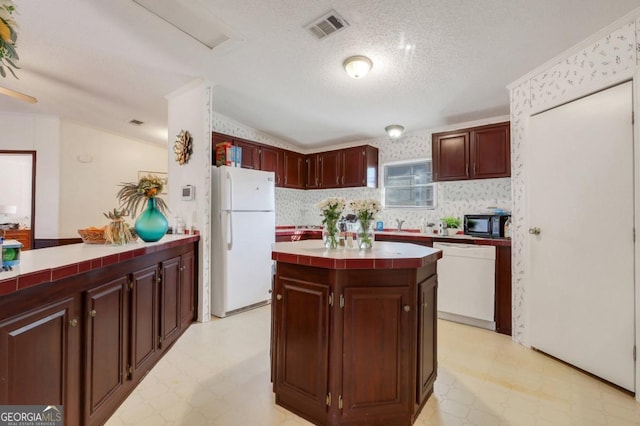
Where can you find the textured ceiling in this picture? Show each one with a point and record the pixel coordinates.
(436, 62)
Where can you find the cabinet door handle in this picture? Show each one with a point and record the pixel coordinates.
(92, 313)
(474, 169)
(73, 323)
(343, 180)
(407, 308)
(278, 296)
(425, 305)
(466, 171)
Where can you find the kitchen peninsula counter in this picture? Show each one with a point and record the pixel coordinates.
(82, 324)
(354, 331)
(50, 264)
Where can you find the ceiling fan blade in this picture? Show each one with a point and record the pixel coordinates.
(18, 95)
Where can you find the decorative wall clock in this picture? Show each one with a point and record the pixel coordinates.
(183, 147)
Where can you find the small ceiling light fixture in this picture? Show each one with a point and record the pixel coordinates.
(394, 130)
(357, 66)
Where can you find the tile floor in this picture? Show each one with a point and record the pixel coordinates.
(218, 374)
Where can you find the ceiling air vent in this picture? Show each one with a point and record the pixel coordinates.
(135, 122)
(326, 25)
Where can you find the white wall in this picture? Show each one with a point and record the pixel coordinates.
(71, 194)
(608, 57)
(190, 109)
(42, 134)
(92, 165)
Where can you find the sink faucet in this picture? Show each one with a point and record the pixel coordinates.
(399, 223)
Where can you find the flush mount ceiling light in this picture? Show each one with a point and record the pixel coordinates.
(394, 130)
(357, 66)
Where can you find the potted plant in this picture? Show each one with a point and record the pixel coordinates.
(452, 224)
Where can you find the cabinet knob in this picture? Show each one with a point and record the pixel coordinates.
(92, 313)
(407, 308)
(425, 305)
(278, 296)
(73, 323)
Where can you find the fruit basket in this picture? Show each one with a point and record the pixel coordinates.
(92, 235)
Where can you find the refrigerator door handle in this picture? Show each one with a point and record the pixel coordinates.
(229, 230)
(229, 192)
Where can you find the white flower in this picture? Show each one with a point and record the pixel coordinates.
(365, 209)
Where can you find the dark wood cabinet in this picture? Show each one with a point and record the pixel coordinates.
(104, 331)
(330, 170)
(313, 171)
(427, 337)
(490, 149)
(451, 157)
(294, 170)
(474, 153)
(376, 356)
(343, 168)
(360, 167)
(39, 355)
(187, 289)
(21, 235)
(144, 321)
(347, 168)
(503, 290)
(170, 318)
(106, 337)
(272, 160)
(302, 323)
(350, 346)
(250, 154)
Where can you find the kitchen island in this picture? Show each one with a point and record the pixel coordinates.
(354, 332)
(81, 324)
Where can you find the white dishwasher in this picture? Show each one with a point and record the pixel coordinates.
(466, 284)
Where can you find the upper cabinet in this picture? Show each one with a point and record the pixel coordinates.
(342, 168)
(294, 170)
(474, 153)
(271, 160)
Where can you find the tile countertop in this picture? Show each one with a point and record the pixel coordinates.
(383, 255)
(410, 235)
(53, 263)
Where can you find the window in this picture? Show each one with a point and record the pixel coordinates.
(409, 184)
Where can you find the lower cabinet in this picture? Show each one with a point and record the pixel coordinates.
(106, 337)
(427, 337)
(39, 357)
(187, 289)
(107, 328)
(377, 364)
(354, 347)
(145, 334)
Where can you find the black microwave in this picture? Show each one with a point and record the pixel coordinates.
(485, 225)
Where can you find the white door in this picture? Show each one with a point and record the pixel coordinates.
(580, 198)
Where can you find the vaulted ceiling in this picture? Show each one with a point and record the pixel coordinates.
(435, 62)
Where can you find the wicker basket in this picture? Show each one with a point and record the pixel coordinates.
(92, 235)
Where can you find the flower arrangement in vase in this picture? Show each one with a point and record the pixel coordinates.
(365, 211)
(151, 225)
(331, 209)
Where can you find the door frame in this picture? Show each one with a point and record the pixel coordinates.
(632, 75)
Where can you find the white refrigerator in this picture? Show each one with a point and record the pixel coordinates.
(243, 231)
